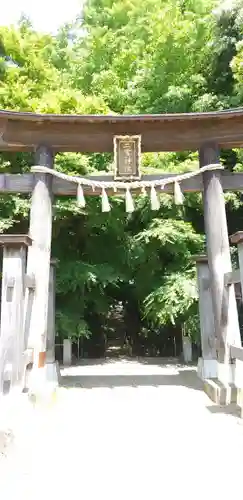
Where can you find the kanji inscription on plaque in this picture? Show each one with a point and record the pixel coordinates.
(127, 155)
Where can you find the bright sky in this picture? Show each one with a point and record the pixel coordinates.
(46, 15)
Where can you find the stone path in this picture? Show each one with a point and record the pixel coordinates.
(125, 430)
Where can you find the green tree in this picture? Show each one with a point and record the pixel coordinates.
(145, 56)
(124, 56)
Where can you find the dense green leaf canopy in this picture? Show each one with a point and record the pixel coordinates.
(125, 56)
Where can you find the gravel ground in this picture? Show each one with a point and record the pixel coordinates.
(125, 430)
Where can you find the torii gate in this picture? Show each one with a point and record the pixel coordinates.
(27, 289)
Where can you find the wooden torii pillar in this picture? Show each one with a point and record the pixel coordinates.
(38, 265)
(207, 364)
(219, 261)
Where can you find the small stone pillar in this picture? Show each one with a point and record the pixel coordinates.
(12, 308)
(67, 352)
(187, 349)
(207, 364)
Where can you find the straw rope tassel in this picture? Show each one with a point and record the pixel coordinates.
(154, 200)
(123, 185)
(143, 191)
(80, 196)
(105, 201)
(178, 195)
(129, 201)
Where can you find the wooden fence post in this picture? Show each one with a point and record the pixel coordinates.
(53, 372)
(12, 308)
(207, 365)
(218, 250)
(38, 265)
(51, 327)
(237, 239)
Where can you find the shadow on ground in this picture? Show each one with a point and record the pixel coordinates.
(231, 409)
(187, 378)
(155, 361)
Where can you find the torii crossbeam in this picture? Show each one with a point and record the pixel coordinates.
(45, 135)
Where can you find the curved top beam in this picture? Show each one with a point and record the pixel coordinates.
(21, 131)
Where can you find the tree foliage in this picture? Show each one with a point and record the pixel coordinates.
(125, 56)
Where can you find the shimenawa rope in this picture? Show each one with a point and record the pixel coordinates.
(127, 186)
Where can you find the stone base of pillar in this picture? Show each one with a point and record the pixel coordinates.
(207, 368)
(238, 375)
(239, 400)
(44, 383)
(226, 373)
(53, 374)
(223, 383)
(223, 394)
(220, 393)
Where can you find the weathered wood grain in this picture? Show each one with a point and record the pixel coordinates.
(236, 352)
(12, 308)
(207, 325)
(51, 330)
(236, 238)
(15, 240)
(232, 277)
(94, 133)
(23, 183)
(218, 251)
(38, 263)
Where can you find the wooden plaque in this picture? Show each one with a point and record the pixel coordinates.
(127, 157)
